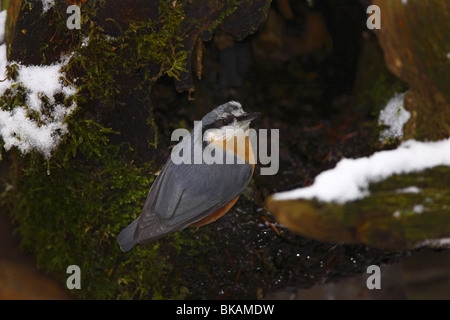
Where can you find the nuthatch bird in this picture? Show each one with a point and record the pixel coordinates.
(197, 193)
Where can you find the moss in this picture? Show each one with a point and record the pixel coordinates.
(232, 6)
(149, 48)
(69, 209)
(158, 42)
(4, 5)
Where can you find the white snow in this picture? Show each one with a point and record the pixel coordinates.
(350, 179)
(435, 243)
(17, 128)
(85, 41)
(412, 189)
(47, 4)
(394, 116)
(2, 24)
(3, 62)
(418, 208)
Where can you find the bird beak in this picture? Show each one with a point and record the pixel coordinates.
(249, 116)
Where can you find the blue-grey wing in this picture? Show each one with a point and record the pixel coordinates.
(186, 193)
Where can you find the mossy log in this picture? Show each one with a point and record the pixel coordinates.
(69, 208)
(29, 31)
(390, 217)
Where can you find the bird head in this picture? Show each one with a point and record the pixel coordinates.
(227, 121)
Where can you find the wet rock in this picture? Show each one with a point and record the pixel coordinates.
(416, 42)
(278, 43)
(352, 288)
(22, 281)
(394, 215)
(237, 21)
(19, 277)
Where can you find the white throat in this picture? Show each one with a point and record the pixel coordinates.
(227, 132)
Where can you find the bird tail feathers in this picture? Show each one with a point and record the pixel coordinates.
(125, 239)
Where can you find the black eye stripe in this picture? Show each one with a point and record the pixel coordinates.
(219, 123)
(226, 121)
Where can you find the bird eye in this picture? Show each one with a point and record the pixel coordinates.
(225, 121)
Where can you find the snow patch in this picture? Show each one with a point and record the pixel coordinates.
(34, 125)
(350, 179)
(2, 26)
(411, 189)
(47, 4)
(418, 208)
(393, 116)
(434, 243)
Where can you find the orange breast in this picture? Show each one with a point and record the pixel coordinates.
(246, 153)
(216, 214)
